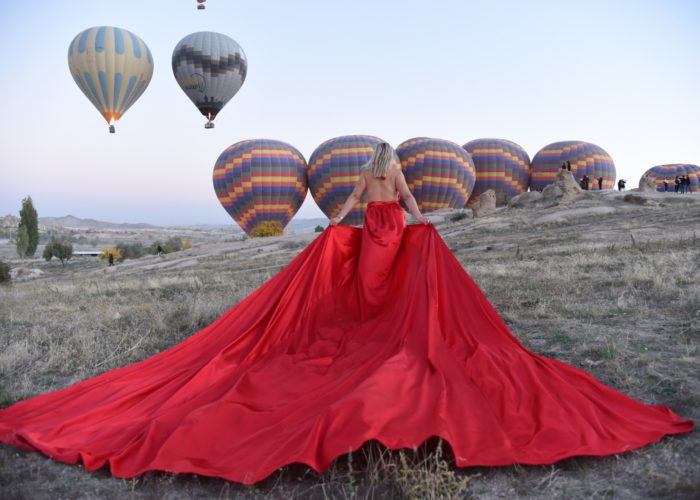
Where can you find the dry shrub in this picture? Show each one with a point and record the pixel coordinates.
(431, 477)
(267, 228)
(116, 253)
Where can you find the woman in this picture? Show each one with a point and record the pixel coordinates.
(382, 183)
(368, 334)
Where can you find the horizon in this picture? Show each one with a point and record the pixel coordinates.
(622, 76)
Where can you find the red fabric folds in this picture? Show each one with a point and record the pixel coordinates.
(374, 333)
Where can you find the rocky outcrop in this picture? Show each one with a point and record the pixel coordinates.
(647, 183)
(7, 221)
(525, 199)
(565, 184)
(486, 204)
(635, 198)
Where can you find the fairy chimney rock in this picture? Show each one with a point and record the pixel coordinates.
(647, 183)
(486, 204)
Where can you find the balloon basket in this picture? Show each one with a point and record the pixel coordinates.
(201, 7)
(112, 129)
(209, 125)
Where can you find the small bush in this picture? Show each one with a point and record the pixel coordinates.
(267, 228)
(174, 244)
(319, 229)
(62, 250)
(5, 272)
(458, 216)
(104, 254)
(132, 250)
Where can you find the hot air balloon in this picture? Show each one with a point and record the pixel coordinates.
(260, 180)
(439, 173)
(200, 4)
(112, 67)
(660, 172)
(210, 68)
(334, 168)
(586, 159)
(500, 165)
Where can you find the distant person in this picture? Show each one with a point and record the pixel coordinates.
(682, 184)
(665, 184)
(563, 166)
(677, 182)
(621, 185)
(110, 258)
(600, 183)
(568, 165)
(159, 251)
(580, 183)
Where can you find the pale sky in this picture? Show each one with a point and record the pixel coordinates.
(622, 74)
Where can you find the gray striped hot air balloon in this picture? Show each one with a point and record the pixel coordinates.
(112, 67)
(210, 68)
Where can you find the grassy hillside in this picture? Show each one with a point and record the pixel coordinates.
(608, 285)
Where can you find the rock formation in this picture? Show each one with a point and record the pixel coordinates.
(525, 199)
(647, 183)
(486, 204)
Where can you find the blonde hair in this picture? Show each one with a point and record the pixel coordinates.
(381, 159)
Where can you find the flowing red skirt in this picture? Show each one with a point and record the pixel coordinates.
(374, 333)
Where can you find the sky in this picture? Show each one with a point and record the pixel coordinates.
(622, 74)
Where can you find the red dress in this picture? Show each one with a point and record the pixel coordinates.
(373, 333)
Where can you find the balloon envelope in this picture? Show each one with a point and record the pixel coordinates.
(334, 168)
(112, 67)
(586, 159)
(500, 165)
(260, 180)
(210, 68)
(439, 173)
(661, 172)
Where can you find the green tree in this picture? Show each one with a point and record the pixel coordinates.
(29, 219)
(22, 242)
(319, 229)
(62, 250)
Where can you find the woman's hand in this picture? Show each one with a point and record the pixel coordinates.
(424, 220)
(335, 220)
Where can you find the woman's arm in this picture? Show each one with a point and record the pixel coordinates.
(408, 198)
(352, 200)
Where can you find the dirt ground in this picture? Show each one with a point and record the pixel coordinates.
(607, 285)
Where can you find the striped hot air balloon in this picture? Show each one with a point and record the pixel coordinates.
(334, 168)
(670, 171)
(112, 67)
(210, 68)
(500, 165)
(260, 180)
(586, 159)
(439, 173)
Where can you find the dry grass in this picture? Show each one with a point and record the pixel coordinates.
(617, 294)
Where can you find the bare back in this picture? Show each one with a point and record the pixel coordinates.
(381, 189)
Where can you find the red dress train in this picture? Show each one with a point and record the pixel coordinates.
(374, 333)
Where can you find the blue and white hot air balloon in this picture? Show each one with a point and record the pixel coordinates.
(210, 68)
(112, 67)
